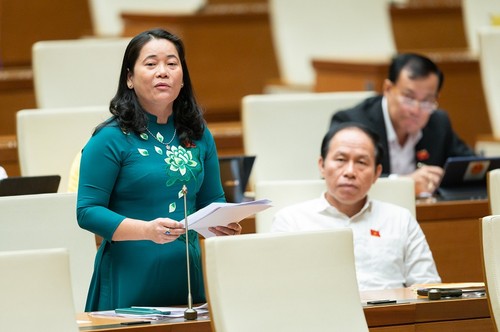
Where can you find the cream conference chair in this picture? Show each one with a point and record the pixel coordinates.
(36, 291)
(106, 14)
(303, 30)
(494, 191)
(49, 139)
(477, 14)
(283, 282)
(31, 222)
(284, 131)
(490, 233)
(77, 72)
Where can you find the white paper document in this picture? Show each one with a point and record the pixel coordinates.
(168, 312)
(222, 214)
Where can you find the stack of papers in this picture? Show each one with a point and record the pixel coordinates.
(149, 313)
(222, 214)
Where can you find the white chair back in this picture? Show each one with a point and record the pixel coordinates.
(106, 14)
(49, 139)
(284, 282)
(490, 233)
(36, 291)
(49, 221)
(494, 191)
(489, 60)
(284, 131)
(78, 72)
(477, 14)
(303, 30)
(399, 191)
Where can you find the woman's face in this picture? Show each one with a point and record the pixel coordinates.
(157, 76)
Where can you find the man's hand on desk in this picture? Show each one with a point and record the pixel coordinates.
(426, 179)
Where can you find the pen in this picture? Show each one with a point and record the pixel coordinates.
(141, 311)
(137, 322)
(381, 302)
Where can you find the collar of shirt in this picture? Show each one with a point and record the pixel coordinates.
(402, 158)
(324, 206)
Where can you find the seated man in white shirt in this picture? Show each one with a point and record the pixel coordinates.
(390, 248)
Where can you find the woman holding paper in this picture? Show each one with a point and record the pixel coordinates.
(132, 173)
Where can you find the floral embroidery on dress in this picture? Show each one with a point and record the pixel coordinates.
(180, 159)
(182, 164)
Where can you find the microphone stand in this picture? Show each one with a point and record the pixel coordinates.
(189, 313)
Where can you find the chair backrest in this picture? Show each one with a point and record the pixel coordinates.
(49, 221)
(284, 131)
(494, 191)
(490, 233)
(399, 191)
(36, 291)
(106, 15)
(77, 72)
(49, 139)
(489, 60)
(303, 30)
(477, 14)
(283, 282)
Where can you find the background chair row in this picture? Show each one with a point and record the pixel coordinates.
(32, 222)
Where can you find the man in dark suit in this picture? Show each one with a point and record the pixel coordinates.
(416, 136)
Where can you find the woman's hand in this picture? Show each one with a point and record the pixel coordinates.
(231, 229)
(163, 230)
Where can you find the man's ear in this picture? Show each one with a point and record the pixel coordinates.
(386, 87)
(378, 172)
(321, 166)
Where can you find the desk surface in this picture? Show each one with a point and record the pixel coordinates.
(409, 314)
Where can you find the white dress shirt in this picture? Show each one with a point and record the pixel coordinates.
(402, 157)
(390, 248)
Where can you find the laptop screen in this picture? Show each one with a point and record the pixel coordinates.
(465, 177)
(235, 173)
(29, 185)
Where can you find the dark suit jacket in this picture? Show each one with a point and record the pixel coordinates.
(438, 140)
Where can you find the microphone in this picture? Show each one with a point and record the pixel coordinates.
(189, 313)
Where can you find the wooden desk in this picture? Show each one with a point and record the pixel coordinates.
(428, 25)
(410, 314)
(101, 324)
(452, 230)
(414, 314)
(462, 94)
(16, 93)
(8, 155)
(23, 23)
(228, 49)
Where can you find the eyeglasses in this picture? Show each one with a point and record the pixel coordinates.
(424, 105)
